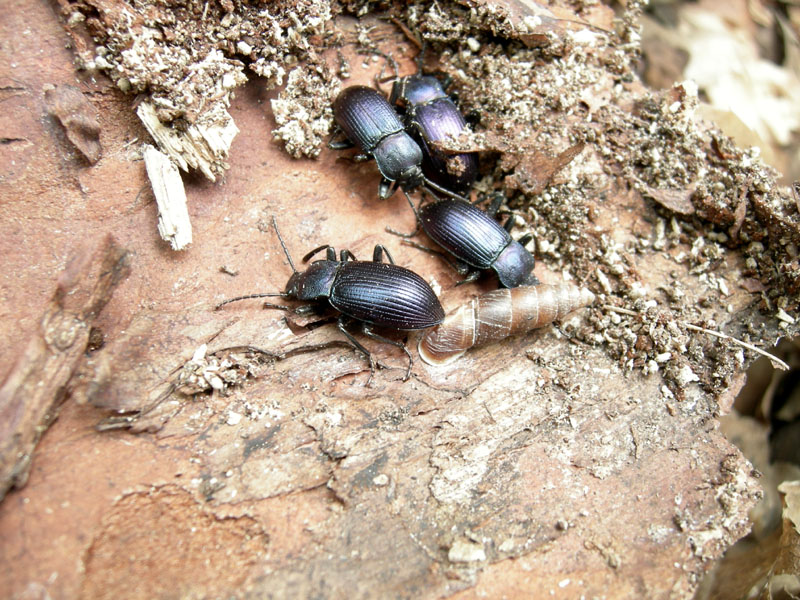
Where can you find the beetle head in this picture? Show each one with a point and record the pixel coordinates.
(411, 178)
(293, 285)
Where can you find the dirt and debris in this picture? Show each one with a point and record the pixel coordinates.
(190, 57)
(656, 145)
(200, 48)
(304, 108)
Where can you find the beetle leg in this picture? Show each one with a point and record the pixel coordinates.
(416, 215)
(378, 252)
(315, 324)
(421, 132)
(306, 309)
(463, 268)
(386, 189)
(497, 200)
(473, 275)
(308, 256)
(525, 239)
(388, 60)
(346, 255)
(369, 333)
(357, 345)
(460, 267)
(480, 199)
(404, 235)
(424, 248)
(397, 95)
(361, 157)
(341, 144)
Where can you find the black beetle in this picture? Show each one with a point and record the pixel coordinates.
(476, 240)
(373, 293)
(370, 122)
(431, 116)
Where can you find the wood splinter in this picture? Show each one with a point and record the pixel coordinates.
(173, 216)
(32, 392)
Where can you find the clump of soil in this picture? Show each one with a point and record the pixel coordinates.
(189, 55)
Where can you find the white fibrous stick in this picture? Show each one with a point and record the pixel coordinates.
(173, 216)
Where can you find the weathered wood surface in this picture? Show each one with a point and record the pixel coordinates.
(540, 464)
(50, 363)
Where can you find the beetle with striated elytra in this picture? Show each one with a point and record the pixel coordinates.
(371, 293)
(370, 122)
(475, 240)
(431, 116)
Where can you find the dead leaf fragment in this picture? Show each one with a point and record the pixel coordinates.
(534, 172)
(679, 201)
(526, 20)
(752, 285)
(759, 92)
(78, 116)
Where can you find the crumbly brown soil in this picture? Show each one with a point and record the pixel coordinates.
(582, 459)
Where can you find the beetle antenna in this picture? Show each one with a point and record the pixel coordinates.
(411, 204)
(248, 297)
(420, 58)
(430, 186)
(285, 251)
(416, 218)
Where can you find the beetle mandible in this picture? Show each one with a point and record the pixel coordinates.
(372, 293)
(370, 122)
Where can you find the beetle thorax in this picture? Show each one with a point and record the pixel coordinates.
(420, 89)
(314, 283)
(514, 265)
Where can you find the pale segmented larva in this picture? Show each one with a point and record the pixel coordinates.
(499, 314)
